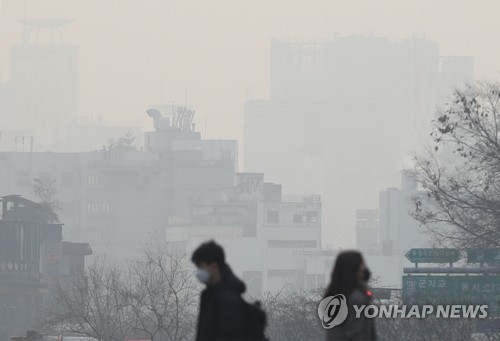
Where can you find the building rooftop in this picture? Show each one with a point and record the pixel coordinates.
(79, 249)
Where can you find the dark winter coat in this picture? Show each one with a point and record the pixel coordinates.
(359, 329)
(222, 309)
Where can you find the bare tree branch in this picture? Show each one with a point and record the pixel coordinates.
(460, 171)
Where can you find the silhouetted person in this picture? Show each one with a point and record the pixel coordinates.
(350, 278)
(222, 309)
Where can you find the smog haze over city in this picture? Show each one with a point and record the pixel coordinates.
(132, 131)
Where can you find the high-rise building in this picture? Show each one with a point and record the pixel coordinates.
(454, 72)
(42, 93)
(341, 116)
(355, 69)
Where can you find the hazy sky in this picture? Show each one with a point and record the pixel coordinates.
(217, 51)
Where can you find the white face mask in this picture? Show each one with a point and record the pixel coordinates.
(202, 275)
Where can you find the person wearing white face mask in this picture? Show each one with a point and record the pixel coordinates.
(223, 311)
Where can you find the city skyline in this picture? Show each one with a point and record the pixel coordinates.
(236, 59)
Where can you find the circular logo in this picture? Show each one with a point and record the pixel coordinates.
(332, 311)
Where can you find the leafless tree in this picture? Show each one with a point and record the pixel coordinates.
(154, 297)
(46, 190)
(162, 295)
(92, 305)
(460, 170)
(293, 315)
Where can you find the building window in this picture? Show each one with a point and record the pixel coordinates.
(98, 208)
(92, 179)
(312, 217)
(273, 217)
(23, 179)
(67, 179)
(297, 218)
(225, 154)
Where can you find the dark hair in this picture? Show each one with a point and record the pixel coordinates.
(344, 279)
(209, 252)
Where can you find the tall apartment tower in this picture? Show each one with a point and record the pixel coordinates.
(41, 96)
(342, 115)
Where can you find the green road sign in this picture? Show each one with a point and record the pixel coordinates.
(459, 289)
(433, 255)
(483, 256)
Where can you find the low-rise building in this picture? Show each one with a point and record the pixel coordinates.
(367, 230)
(266, 236)
(398, 230)
(120, 197)
(33, 260)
